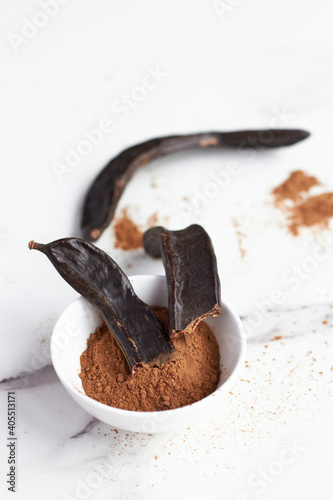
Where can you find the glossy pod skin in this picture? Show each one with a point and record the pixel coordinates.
(97, 277)
(104, 193)
(194, 290)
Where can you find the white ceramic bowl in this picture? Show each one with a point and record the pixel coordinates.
(80, 319)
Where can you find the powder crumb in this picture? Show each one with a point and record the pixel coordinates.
(128, 235)
(325, 322)
(193, 375)
(277, 337)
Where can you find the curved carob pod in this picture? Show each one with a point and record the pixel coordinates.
(104, 193)
(97, 277)
(194, 290)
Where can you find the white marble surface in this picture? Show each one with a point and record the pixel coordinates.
(259, 64)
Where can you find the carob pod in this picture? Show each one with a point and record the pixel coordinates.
(194, 290)
(104, 193)
(97, 277)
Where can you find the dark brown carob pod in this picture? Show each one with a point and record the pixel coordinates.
(194, 290)
(104, 193)
(97, 277)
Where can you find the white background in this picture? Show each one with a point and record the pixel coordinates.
(242, 64)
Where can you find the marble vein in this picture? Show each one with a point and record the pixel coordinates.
(26, 380)
(86, 429)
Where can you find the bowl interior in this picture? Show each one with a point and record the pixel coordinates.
(80, 319)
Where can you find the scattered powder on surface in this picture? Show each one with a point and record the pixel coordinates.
(293, 188)
(305, 211)
(277, 337)
(152, 221)
(128, 235)
(315, 211)
(193, 375)
(240, 238)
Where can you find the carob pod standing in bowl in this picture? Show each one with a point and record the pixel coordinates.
(97, 277)
(105, 191)
(194, 290)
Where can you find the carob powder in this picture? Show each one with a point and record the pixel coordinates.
(193, 375)
(303, 210)
(315, 211)
(128, 235)
(293, 188)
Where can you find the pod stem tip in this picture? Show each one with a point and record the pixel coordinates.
(33, 245)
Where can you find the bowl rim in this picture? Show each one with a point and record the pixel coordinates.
(140, 414)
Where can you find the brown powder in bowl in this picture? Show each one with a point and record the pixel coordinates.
(193, 375)
(128, 235)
